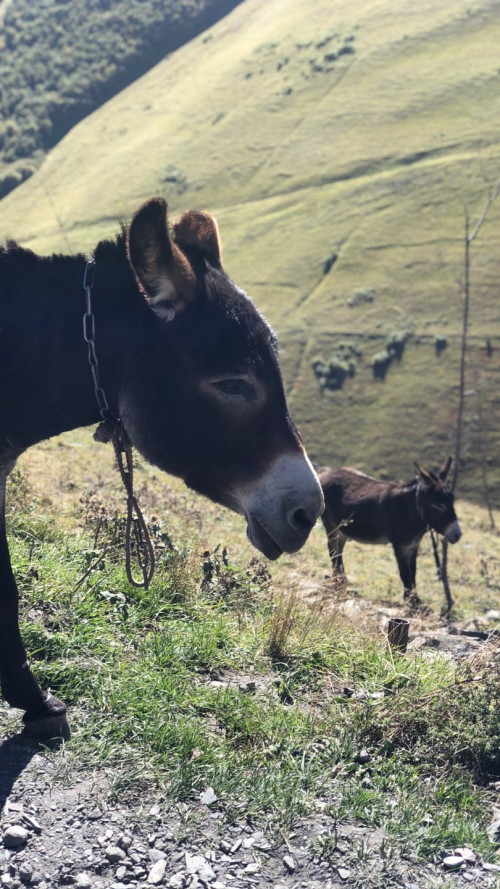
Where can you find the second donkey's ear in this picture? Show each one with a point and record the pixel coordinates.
(445, 468)
(423, 477)
(161, 269)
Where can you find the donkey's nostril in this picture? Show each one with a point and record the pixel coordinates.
(300, 521)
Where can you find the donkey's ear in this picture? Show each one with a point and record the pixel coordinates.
(197, 233)
(423, 477)
(445, 468)
(161, 270)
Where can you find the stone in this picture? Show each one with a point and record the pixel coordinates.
(467, 854)
(114, 854)
(289, 863)
(453, 862)
(15, 836)
(493, 830)
(343, 873)
(83, 881)
(157, 872)
(177, 881)
(156, 855)
(25, 872)
(209, 797)
(362, 757)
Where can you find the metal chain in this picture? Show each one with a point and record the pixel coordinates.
(89, 337)
(111, 429)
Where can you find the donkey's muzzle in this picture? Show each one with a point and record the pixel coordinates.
(283, 506)
(453, 532)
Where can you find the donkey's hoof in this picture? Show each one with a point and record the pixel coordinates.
(47, 723)
(49, 730)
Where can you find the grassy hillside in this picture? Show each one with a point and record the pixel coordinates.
(338, 145)
(60, 60)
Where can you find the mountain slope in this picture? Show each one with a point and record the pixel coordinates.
(338, 146)
(60, 60)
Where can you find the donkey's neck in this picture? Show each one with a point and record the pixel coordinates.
(44, 359)
(406, 498)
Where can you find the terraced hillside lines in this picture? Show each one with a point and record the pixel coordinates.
(337, 144)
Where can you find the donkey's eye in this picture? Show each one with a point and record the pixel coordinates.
(234, 388)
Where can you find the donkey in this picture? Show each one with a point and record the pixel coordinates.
(184, 362)
(361, 508)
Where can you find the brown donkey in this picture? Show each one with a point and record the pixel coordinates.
(359, 507)
(186, 364)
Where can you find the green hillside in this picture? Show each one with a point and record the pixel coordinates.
(60, 60)
(338, 145)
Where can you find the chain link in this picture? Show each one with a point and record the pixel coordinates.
(89, 337)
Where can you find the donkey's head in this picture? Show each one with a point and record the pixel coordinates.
(203, 396)
(435, 502)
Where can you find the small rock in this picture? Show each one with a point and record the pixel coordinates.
(491, 867)
(453, 862)
(193, 863)
(32, 822)
(362, 757)
(177, 881)
(289, 863)
(83, 881)
(209, 797)
(15, 836)
(114, 854)
(252, 868)
(124, 841)
(157, 872)
(94, 814)
(156, 855)
(493, 831)
(467, 854)
(343, 873)
(25, 872)
(120, 872)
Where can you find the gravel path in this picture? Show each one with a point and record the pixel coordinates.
(58, 828)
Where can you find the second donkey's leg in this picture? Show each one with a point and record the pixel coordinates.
(336, 543)
(406, 557)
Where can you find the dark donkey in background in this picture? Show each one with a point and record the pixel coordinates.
(187, 364)
(361, 508)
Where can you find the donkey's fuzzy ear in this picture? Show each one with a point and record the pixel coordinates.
(161, 270)
(196, 233)
(445, 468)
(423, 477)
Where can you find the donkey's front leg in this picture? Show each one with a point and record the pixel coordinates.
(44, 716)
(406, 557)
(336, 542)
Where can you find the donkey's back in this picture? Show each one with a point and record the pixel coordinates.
(359, 506)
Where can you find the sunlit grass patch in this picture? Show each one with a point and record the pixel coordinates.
(223, 676)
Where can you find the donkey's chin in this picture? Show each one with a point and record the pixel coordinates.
(271, 545)
(262, 540)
